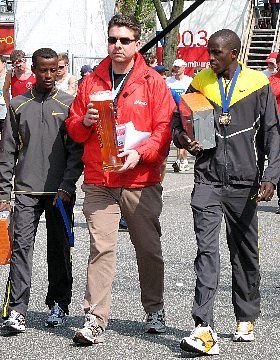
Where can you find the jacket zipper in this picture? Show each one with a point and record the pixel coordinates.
(226, 157)
(225, 144)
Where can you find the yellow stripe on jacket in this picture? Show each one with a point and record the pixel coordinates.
(248, 81)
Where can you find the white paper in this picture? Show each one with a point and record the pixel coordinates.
(133, 137)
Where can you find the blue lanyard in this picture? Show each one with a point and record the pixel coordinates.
(226, 99)
(70, 234)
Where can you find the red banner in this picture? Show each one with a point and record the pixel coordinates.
(6, 39)
(192, 48)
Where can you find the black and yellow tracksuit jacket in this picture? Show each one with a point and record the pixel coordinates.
(253, 132)
(36, 143)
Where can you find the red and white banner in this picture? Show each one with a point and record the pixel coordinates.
(196, 29)
(6, 39)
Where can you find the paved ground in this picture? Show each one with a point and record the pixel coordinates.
(125, 338)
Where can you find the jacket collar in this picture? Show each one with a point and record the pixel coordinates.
(42, 96)
(140, 69)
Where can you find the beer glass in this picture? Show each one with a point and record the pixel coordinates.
(106, 130)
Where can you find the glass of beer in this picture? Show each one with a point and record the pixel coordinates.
(106, 130)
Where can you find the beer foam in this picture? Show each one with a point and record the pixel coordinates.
(101, 96)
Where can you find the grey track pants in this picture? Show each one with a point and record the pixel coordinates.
(238, 206)
(27, 212)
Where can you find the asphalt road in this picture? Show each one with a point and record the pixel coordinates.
(125, 337)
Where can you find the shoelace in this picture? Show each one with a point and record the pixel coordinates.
(17, 317)
(155, 317)
(90, 318)
(56, 311)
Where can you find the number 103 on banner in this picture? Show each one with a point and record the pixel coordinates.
(188, 38)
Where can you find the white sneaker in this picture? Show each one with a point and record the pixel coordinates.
(15, 323)
(184, 166)
(244, 331)
(91, 333)
(155, 322)
(203, 340)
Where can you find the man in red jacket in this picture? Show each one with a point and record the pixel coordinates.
(142, 97)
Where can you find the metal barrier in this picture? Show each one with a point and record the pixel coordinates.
(78, 61)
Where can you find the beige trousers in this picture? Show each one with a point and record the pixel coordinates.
(141, 209)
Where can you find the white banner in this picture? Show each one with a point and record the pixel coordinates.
(76, 27)
(213, 15)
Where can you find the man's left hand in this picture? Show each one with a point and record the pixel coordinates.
(193, 147)
(132, 159)
(266, 191)
(64, 197)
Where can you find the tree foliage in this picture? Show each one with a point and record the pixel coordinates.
(145, 11)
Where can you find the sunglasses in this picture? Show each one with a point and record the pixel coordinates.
(61, 66)
(123, 40)
(18, 62)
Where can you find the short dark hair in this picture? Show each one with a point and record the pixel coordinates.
(3, 59)
(149, 58)
(126, 21)
(278, 58)
(230, 37)
(16, 55)
(45, 53)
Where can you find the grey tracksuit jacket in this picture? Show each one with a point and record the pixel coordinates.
(36, 146)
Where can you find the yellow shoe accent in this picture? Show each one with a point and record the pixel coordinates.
(244, 331)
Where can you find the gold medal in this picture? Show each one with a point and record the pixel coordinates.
(224, 118)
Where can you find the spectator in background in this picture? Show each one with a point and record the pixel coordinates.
(178, 84)
(271, 64)
(275, 84)
(275, 7)
(161, 70)
(265, 4)
(19, 79)
(151, 60)
(65, 81)
(85, 70)
(3, 109)
(275, 81)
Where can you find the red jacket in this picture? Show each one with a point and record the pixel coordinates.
(147, 102)
(275, 84)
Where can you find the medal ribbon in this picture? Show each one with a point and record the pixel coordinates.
(226, 99)
(70, 233)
